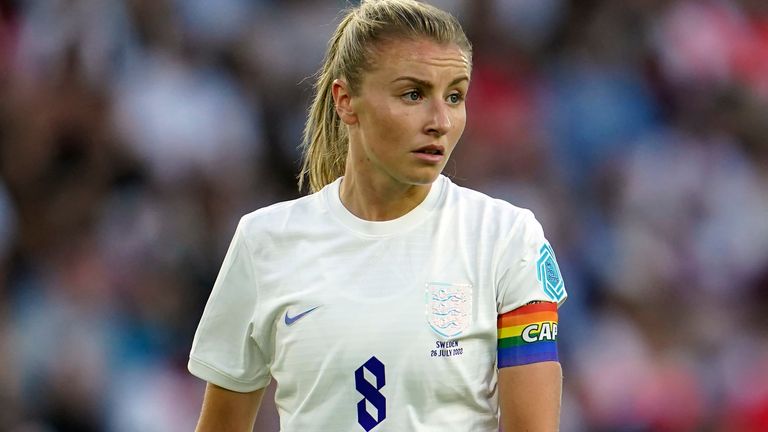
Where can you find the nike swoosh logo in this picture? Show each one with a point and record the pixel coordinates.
(291, 320)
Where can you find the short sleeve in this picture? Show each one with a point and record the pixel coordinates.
(527, 268)
(223, 351)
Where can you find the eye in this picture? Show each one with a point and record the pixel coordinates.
(455, 98)
(412, 96)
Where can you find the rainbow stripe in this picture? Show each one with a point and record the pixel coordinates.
(528, 334)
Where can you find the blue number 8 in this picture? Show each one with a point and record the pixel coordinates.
(371, 394)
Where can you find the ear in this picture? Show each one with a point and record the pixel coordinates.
(342, 99)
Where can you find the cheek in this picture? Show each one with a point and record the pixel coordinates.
(388, 127)
(459, 122)
(372, 132)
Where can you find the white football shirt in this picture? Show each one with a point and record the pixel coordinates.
(384, 326)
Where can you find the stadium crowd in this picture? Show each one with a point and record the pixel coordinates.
(134, 134)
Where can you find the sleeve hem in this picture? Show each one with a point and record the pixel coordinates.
(213, 376)
(544, 299)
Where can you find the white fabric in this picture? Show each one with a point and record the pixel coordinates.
(370, 282)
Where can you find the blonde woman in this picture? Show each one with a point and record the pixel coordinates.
(390, 299)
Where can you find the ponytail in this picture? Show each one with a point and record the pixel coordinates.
(325, 140)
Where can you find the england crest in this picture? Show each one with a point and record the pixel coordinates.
(449, 308)
(548, 273)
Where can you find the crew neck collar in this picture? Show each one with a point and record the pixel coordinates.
(331, 195)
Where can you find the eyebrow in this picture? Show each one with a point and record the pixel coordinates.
(428, 84)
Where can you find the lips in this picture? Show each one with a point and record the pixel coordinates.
(436, 150)
(431, 154)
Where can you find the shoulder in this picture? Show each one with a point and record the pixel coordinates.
(278, 216)
(491, 211)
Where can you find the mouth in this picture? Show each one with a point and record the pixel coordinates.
(434, 150)
(431, 154)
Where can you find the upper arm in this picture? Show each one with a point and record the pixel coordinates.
(228, 411)
(530, 376)
(529, 396)
(530, 289)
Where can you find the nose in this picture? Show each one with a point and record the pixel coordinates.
(440, 119)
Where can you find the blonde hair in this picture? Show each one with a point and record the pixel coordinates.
(325, 140)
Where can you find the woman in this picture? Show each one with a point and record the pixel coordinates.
(390, 299)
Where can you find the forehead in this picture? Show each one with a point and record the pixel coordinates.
(423, 55)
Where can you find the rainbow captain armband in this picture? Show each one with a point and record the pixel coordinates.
(528, 334)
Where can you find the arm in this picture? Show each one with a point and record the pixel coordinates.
(530, 290)
(530, 377)
(227, 411)
(529, 396)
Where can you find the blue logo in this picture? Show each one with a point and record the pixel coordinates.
(549, 275)
(291, 320)
(371, 394)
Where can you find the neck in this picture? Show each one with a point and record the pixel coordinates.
(380, 201)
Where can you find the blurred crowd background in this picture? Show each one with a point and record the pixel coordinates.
(135, 133)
